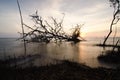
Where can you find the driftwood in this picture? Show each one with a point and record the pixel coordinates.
(42, 31)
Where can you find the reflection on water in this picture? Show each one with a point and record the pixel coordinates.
(82, 52)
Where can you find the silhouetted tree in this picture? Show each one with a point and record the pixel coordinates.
(116, 5)
(42, 31)
(76, 35)
(21, 18)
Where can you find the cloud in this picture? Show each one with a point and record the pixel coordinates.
(81, 5)
(96, 14)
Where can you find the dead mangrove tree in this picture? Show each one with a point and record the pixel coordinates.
(43, 31)
(116, 17)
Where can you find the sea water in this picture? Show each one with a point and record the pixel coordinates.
(83, 52)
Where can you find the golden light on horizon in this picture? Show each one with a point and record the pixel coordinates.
(83, 35)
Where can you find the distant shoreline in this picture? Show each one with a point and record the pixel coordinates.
(9, 37)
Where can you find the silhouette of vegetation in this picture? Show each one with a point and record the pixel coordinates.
(62, 71)
(20, 61)
(42, 31)
(76, 35)
(110, 57)
(22, 26)
(116, 17)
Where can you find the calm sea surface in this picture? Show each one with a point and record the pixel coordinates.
(82, 52)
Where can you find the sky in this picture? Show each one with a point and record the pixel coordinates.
(96, 15)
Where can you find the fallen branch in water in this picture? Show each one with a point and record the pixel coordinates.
(45, 32)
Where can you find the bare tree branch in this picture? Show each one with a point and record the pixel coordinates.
(116, 6)
(45, 32)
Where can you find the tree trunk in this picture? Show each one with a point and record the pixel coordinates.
(22, 26)
(111, 25)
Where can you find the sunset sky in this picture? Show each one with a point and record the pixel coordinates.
(96, 15)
